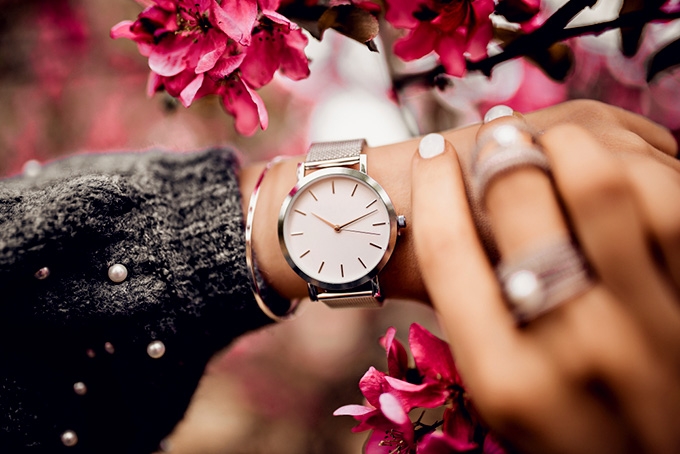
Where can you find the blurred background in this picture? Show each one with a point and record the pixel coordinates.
(66, 87)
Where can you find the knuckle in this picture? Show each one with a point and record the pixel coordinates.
(589, 111)
(605, 191)
(628, 141)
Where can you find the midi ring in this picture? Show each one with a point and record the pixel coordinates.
(510, 152)
(543, 278)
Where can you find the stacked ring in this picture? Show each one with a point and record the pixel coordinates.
(542, 278)
(549, 273)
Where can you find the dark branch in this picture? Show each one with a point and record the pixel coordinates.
(542, 38)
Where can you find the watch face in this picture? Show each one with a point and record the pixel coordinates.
(337, 228)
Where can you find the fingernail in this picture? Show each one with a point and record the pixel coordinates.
(431, 145)
(497, 112)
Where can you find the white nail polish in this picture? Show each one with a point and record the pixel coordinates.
(497, 112)
(431, 145)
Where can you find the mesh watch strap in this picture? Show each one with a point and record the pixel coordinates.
(334, 154)
(344, 153)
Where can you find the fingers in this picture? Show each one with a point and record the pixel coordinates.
(657, 188)
(457, 275)
(600, 204)
(520, 204)
(656, 135)
(600, 119)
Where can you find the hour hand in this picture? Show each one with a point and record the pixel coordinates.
(334, 226)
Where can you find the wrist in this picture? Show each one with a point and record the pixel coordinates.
(390, 166)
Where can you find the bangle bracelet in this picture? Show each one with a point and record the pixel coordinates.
(250, 262)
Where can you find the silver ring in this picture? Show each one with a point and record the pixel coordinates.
(543, 278)
(510, 151)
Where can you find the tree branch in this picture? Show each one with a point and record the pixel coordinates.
(542, 38)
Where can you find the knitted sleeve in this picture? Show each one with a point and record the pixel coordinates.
(92, 365)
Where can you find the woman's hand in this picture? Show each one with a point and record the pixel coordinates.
(618, 131)
(601, 371)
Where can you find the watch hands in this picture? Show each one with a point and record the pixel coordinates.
(355, 220)
(334, 226)
(361, 231)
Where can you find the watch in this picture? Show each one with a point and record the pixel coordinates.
(337, 227)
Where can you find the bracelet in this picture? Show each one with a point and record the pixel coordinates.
(250, 262)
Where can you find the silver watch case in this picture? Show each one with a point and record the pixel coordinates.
(382, 197)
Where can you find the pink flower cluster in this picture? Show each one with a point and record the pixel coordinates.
(433, 383)
(452, 29)
(229, 48)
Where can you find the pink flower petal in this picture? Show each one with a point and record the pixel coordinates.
(432, 355)
(397, 358)
(372, 385)
(438, 443)
(451, 50)
(123, 30)
(269, 5)
(169, 56)
(353, 410)
(226, 65)
(153, 84)
(235, 18)
(247, 108)
(419, 42)
(392, 409)
(458, 425)
(413, 396)
(186, 97)
(209, 59)
(400, 13)
(168, 5)
(279, 48)
(262, 59)
(278, 18)
(295, 64)
(492, 445)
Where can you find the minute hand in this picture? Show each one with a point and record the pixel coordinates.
(355, 220)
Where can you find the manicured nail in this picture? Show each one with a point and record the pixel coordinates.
(431, 145)
(497, 112)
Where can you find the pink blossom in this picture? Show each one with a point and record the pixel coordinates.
(671, 6)
(397, 358)
(434, 382)
(228, 48)
(392, 429)
(441, 443)
(432, 357)
(277, 44)
(450, 29)
(454, 30)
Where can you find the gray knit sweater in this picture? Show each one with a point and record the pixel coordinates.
(175, 222)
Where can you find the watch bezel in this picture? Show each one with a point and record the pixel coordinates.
(382, 197)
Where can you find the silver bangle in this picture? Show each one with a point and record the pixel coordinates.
(250, 262)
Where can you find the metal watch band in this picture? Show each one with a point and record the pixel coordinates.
(344, 153)
(368, 296)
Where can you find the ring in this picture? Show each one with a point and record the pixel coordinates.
(543, 278)
(510, 152)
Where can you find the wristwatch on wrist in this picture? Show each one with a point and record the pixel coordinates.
(337, 226)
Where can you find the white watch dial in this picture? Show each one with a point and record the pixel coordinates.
(336, 229)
